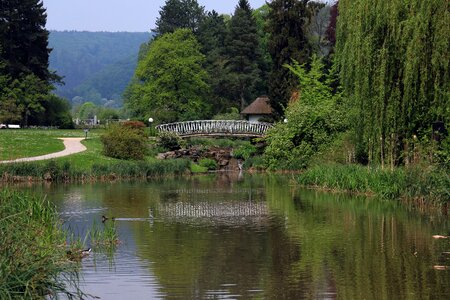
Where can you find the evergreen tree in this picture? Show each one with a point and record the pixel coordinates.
(211, 36)
(288, 41)
(177, 14)
(242, 52)
(25, 81)
(265, 61)
(24, 39)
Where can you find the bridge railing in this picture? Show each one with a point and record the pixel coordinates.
(215, 127)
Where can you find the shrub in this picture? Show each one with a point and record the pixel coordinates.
(169, 141)
(244, 151)
(208, 163)
(134, 124)
(124, 142)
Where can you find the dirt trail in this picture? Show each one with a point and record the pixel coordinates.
(73, 145)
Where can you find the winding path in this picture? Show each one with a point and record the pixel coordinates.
(72, 146)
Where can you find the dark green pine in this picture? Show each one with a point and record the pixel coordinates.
(288, 41)
(24, 39)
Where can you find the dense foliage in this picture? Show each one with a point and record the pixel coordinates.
(126, 141)
(242, 55)
(24, 40)
(394, 66)
(25, 80)
(288, 41)
(176, 14)
(313, 120)
(170, 81)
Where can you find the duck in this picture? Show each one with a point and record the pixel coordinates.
(78, 255)
(104, 219)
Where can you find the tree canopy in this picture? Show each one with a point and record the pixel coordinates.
(26, 82)
(394, 65)
(288, 41)
(177, 14)
(242, 55)
(24, 39)
(170, 83)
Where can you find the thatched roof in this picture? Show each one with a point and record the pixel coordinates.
(260, 106)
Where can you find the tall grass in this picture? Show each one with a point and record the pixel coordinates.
(413, 183)
(62, 171)
(33, 262)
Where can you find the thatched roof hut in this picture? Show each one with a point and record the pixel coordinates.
(258, 109)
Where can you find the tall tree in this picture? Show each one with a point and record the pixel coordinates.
(242, 52)
(177, 14)
(26, 82)
(211, 36)
(331, 29)
(265, 62)
(170, 82)
(288, 41)
(394, 65)
(24, 39)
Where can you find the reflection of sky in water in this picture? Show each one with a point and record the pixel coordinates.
(125, 277)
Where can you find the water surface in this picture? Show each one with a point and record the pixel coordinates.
(254, 237)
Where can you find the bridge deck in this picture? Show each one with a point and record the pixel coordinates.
(216, 128)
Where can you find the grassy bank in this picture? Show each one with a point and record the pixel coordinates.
(65, 170)
(429, 183)
(87, 165)
(33, 260)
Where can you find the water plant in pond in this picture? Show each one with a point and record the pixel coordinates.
(33, 261)
(105, 235)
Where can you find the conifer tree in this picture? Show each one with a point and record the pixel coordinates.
(242, 52)
(211, 36)
(24, 39)
(177, 14)
(288, 41)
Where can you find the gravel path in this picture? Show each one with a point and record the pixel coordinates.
(73, 145)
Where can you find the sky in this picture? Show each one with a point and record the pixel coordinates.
(118, 15)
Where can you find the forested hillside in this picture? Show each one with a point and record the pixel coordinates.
(96, 66)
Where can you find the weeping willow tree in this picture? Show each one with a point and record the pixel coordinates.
(394, 65)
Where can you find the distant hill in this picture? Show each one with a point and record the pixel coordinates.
(96, 66)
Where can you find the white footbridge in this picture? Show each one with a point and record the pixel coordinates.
(216, 128)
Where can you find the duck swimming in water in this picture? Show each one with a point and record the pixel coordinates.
(78, 255)
(104, 219)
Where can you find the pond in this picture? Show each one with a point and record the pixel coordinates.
(229, 236)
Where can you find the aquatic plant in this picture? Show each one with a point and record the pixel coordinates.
(431, 184)
(33, 261)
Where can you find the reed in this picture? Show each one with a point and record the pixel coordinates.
(63, 171)
(104, 236)
(431, 184)
(33, 260)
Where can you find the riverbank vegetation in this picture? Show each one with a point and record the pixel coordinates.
(365, 91)
(33, 259)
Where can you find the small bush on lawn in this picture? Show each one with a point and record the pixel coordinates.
(124, 142)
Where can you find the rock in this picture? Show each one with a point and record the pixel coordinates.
(48, 177)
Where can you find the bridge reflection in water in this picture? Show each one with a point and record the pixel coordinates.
(216, 128)
(230, 212)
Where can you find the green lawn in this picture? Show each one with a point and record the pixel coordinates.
(33, 142)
